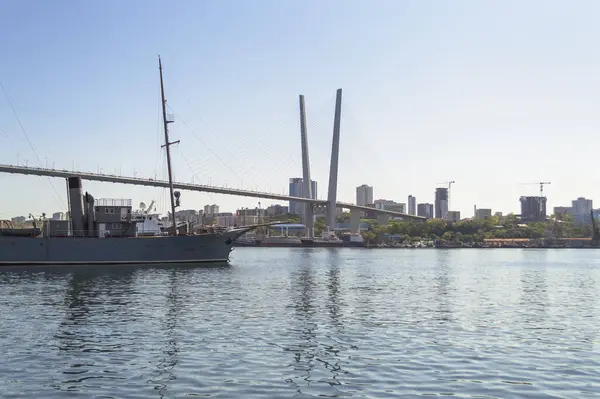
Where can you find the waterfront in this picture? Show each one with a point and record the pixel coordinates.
(283, 322)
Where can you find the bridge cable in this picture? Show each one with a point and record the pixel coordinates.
(289, 157)
(29, 141)
(195, 175)
(203, 143)
(275, 157)
(244, 157)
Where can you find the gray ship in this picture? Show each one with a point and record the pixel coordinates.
(104, 232)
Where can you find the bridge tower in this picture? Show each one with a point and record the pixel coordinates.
(309, 216)
(333, 170)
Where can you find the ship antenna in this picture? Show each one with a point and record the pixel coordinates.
(167, 144)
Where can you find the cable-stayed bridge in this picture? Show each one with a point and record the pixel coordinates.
(331, 203)
(107, 178)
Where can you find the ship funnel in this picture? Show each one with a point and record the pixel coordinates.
(90, 216)
(76, 206)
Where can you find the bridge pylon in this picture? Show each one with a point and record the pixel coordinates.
(309, 217)
(333, 170)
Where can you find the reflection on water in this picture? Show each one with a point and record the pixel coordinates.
(304, 328)
(76, 335)
(169, 324)
(534, 295)
(317, 323)
(333, 289)
(442, 285)
(308, 323)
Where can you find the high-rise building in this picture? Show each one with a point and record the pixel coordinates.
(274, 210)
(211, 210)
(560, 211)
(297, 190)
(189, 215)
(224, 219)
(454, 216)
(582, 209)
(582, 206)
(483, 213)
(412, 205)
(441, 202)
(364, 195)
(390, 205)
(425, 210)
(533, 209)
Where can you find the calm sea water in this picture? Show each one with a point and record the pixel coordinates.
(281, 323)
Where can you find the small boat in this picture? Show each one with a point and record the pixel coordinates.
(327, 239)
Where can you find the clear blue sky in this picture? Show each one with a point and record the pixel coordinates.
(490, 94)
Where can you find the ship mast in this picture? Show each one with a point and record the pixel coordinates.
(167, 145)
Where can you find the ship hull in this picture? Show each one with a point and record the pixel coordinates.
(105, 251)
(354, 244)
(324, 244)
(282, 243)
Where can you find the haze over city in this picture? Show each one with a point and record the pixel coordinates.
(490, 96)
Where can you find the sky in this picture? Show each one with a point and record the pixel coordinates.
(492, 95)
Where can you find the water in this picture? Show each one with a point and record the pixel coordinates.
(280, 323)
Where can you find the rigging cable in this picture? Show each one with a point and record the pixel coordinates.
(196, 176)
(29, 141)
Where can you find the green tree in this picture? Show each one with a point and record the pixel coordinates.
(369, 237)
(320, 225)
(436, 226)
(343, 218)
(447, 236)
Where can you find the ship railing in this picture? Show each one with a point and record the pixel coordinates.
(111, 233)
(113, 202)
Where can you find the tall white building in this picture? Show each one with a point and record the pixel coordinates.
(225, 219)
(211, 210)
(364, 195)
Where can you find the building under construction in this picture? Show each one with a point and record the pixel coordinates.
(533, 209)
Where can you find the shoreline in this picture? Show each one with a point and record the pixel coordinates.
(370, 247)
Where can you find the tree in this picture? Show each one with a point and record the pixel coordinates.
(369, 236)
(447, 236)
(436, 226)
(320, 225)
(343, 218)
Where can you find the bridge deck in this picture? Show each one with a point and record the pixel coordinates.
(26, 170)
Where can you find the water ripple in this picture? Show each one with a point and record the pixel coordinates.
(307, 323)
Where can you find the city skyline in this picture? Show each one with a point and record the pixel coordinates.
(474, 97)
(531, 210)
